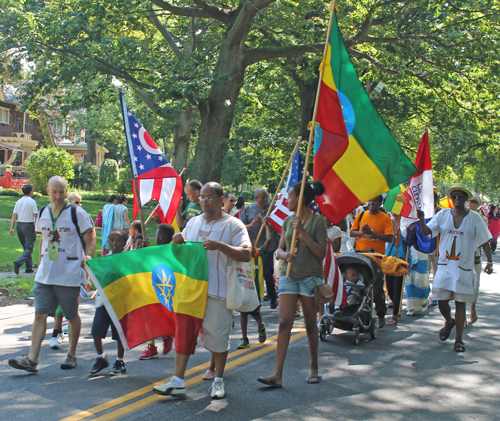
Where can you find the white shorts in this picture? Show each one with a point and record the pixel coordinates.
(446, 294)
(217, 325)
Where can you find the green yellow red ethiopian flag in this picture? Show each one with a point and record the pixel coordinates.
(373, 162)
(147, 291)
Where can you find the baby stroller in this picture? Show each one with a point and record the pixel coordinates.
(359, 316)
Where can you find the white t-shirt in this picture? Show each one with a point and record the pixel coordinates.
(67, 269)
(455, 271)
(333, 233)
(228, 230)
(26, 209)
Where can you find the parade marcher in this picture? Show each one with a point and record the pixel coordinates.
(305, 274)
(108, 213)
(239, 206)
(474, 203)
(460, 233)
(192, 190)
(494, 225)
(120, 218)
(229, 201)
(26, 212)
(225, 238)
(372, 229)
(64, 228)
(253, 216)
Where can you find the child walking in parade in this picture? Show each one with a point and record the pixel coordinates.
(116, 240)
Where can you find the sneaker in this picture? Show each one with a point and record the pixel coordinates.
(54, 343)
(65, 331)
(100, 364)
(274, 304)
(16, 268)
(69, 363)
(244, 343)
(433, 303)
(24, 364)
(150, 352)
(60, 337)
(262, 333)
(217, 390)
(171, 388)
(167, 344)
(118, 368)
(209, 375)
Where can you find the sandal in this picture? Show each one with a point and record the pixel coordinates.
(209, 375)
(444, 333)
(459, 346)
(473, 316)
(393, 321)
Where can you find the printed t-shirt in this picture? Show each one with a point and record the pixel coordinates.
(67, 269)
(333, 233)
(192, 210)
(25, 208)
(226, 229)
(305, 263)
(455, 271)
(380, 223)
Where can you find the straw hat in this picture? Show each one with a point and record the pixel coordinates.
(475, 196)
(460, 187)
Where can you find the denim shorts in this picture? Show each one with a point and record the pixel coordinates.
(303, 287)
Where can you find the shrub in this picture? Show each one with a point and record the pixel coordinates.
(247, 195)
(124, 185)
(108, 175)
(86, 176)
(49, 162)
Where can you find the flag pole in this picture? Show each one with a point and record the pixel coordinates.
(141, 214)
(279, 187)
(311, 132)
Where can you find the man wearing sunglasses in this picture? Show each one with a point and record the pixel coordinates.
(460, 232)
(229, 201)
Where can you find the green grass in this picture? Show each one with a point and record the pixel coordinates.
(19, 287)
(11, 249)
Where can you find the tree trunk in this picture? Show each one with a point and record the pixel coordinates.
(307, 92)
(182, 139)
(91, 144)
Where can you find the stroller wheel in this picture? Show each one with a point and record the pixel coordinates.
(322, 332)
(355, 339)
(329, 326)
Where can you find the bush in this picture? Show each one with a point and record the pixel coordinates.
(108, 175)
(124, 185)
(103, 197)
(86, 176)
(247, 195)
(49, 162)
(16, 193)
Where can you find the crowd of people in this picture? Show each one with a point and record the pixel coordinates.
(231, 231)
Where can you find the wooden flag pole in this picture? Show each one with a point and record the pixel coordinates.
(279, 186)
(311, 133)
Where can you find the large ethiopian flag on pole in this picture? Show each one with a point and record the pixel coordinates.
(145, 291)
(373, 162)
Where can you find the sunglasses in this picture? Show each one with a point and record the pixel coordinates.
(77, 202)
(232, 200)
(473, 201)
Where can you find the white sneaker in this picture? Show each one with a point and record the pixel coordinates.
(60, 337)
(217, 390)
(171, 388)
(54, 343)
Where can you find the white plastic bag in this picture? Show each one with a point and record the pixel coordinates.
(241, 290)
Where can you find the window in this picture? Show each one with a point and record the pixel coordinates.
(27, 123)
(4, 115)
(3, 157)
(19, 122)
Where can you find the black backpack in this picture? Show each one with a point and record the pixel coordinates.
(74, 219)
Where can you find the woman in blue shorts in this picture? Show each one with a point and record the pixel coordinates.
(306, 273)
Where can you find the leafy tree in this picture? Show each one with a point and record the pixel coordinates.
(108, 174)
(49, 162)
(124, 185)
(86, 176)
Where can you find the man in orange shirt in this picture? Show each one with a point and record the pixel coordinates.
(373, 228)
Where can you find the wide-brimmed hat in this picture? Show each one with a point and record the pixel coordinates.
(476, 197)
(461, 187)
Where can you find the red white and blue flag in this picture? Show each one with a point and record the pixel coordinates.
(156, 178)
(333, 277)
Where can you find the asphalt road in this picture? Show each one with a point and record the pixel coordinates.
(407, 373)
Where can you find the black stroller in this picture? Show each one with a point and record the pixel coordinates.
(360, 316)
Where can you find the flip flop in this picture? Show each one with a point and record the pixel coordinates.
(393, 321)
(317, 379)
(268, 382)
(445, 334)
(459, 346)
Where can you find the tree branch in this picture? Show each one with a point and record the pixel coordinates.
(212, 11)
(266, 53)
(181, 11)
(144, 96)
(366, 57)
(165, 34)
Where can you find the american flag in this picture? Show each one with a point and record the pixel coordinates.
(280, 211)
(156, 178)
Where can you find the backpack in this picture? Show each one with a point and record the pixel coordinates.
(98, 220)
(74, 219)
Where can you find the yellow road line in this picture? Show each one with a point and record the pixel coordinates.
(137, 393)
(126, 410)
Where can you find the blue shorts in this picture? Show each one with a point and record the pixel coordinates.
(303, 287)
(101, 324)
